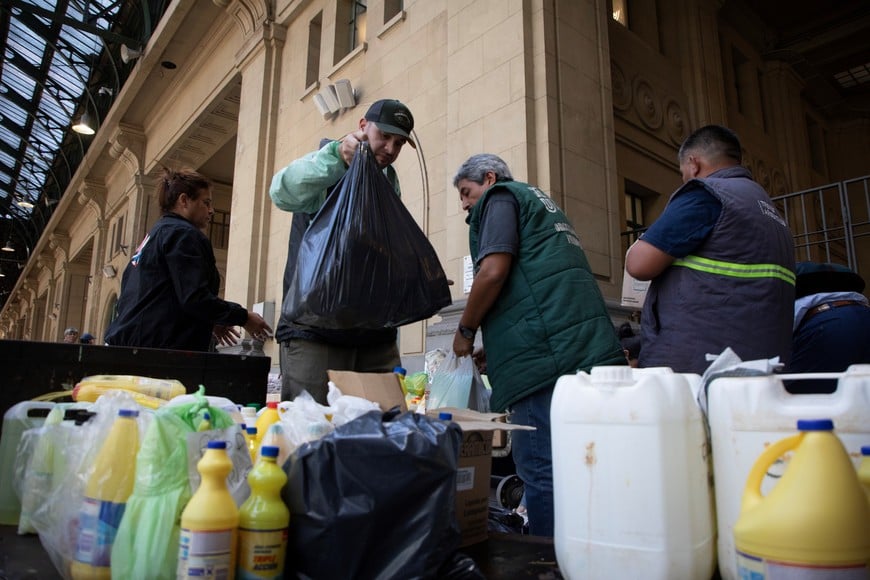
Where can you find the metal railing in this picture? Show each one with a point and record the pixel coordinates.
(830, 223)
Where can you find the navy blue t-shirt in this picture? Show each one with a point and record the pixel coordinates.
(686, 222)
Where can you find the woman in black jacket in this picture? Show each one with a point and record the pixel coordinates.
(169, 292)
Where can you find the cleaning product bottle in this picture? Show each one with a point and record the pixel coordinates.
(106, 493)
(267, 417)
(249, 414)
(210, 521)
(401, 373)
(251, 437)
(815, 522)
(263, 521)
(864, 470)
(275, 437)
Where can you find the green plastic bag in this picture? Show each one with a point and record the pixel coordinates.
(146, 546)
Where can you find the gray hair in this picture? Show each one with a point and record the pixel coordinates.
(476, 167)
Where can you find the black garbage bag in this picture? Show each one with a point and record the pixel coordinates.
(364, 262)
(374, 499)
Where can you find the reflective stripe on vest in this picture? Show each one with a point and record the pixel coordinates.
(736, 270)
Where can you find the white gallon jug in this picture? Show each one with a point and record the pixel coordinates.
(747, 414)
(631, 483)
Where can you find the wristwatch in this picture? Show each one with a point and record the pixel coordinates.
(467, 332)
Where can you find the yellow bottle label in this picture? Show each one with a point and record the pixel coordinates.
(261, 554)
(754, 568)
(206, 555)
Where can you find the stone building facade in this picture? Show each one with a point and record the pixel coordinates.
(588, 99)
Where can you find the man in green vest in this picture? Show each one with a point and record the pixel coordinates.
(538, 306)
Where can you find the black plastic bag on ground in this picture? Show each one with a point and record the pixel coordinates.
(374, 499)
(364, 262)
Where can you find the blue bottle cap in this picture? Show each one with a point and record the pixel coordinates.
(251, 430)
(217, 445)
(128, 413)
(269, 451)
(400, 370)
(815, 425)
(865, 450)
(445, 416)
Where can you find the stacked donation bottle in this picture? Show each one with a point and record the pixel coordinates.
(249, 415)
(209, 522)
(263, 521)
(815, 522)
(864, 469)
(266, 418)
(251, 440)
(109, 486)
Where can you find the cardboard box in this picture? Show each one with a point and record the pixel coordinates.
(499, 434)
(472, 485)
(475, 453)
(633, 291)
(475, 468)
(382, 388)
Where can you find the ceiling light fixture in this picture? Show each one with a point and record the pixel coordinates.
(8, 247)
(23, 203)
(128, 54)
(85, 126)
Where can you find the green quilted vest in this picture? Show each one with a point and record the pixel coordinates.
(550, 318)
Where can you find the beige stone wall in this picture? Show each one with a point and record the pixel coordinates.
(576, 103)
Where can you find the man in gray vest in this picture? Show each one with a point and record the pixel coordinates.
(721, 261)
(539, 308)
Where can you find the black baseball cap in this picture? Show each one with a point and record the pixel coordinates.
(815, 277)
(391, 116)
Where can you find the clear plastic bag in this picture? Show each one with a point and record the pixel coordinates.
(146, 546)
(451, 382)
(364, 262)
(56, 518)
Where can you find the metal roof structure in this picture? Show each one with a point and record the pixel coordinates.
(62, 60)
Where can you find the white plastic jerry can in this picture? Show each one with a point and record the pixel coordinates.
(747, 414)
(17, 419)
(631, 482)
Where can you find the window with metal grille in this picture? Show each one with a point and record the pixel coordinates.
(219, 229)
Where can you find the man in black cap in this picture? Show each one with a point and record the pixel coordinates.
(302, 187)
(831, 324)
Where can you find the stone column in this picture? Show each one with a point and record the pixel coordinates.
(787, 122)
(259, 63)
(701, 60)
(93, 196)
